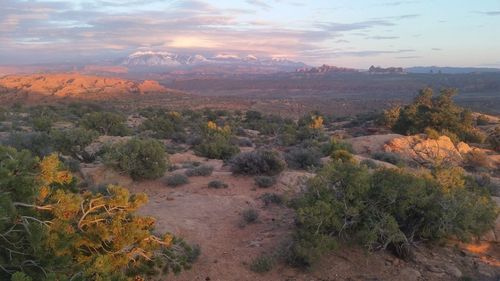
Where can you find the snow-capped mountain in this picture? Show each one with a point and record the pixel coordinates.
(172, 60)
(150, 58)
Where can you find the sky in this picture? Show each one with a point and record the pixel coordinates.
(349, 33)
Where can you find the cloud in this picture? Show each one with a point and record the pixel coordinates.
(259, 3)
(382, 37)
(408, 57)
(490, 13)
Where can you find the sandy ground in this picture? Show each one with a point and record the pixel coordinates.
(212, 219)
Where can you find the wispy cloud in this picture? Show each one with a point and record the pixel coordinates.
(490, 13)
(259, 3)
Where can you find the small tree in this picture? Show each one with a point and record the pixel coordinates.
(73, 141)
(139, 158)
(50, 232)
(216, 142)
(106, 123)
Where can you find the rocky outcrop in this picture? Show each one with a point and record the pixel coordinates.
(75, 85)
(367, 145)
(426, 151)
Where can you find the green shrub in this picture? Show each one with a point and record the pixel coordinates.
(335, 144)
(258, 162)
(176, 180)
(106, 123)
(388, 157)
(165, 125)
(438, 113)
(250, 215)
(39, 143)
(217, 148)
(139, 158)
(202, 170)
(264, 181)
(369, 163)
(217, 184)
(42, 123)
(342, 155)
(387, 209)
(215, 142)
(303, 158)
(73, 141)
(272, 198)
(262, 264)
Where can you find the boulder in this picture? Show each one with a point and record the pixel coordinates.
(367, 145)
(426, 151)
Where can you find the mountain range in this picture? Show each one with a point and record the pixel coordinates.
(160, 59)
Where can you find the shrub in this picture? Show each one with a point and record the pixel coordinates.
(176, 180)
(215, 142)
(250, 215)
(42, 123)
(369, 163)
(387, 209)
(334, 145)
(272, 198)
(139, 158)
(217, 184)
(342, 155)
(245, 142)
(431, 133)
(106, 123)
(389, 157)
(202, 170)
(264, 181)
(39, 143)
(165, 125)
(259, 162)
(73, 141)
(262, 264)
(303, 158)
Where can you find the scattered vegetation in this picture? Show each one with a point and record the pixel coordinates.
(258, 162)
(202, 170)
(262, 264)
(272, 198)
(264, 181)
(106, 123)
(217, 184)
(176, 180)
(139, 158)
(439, 113)
(386, 209)
(250, 215)
(303, 158)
